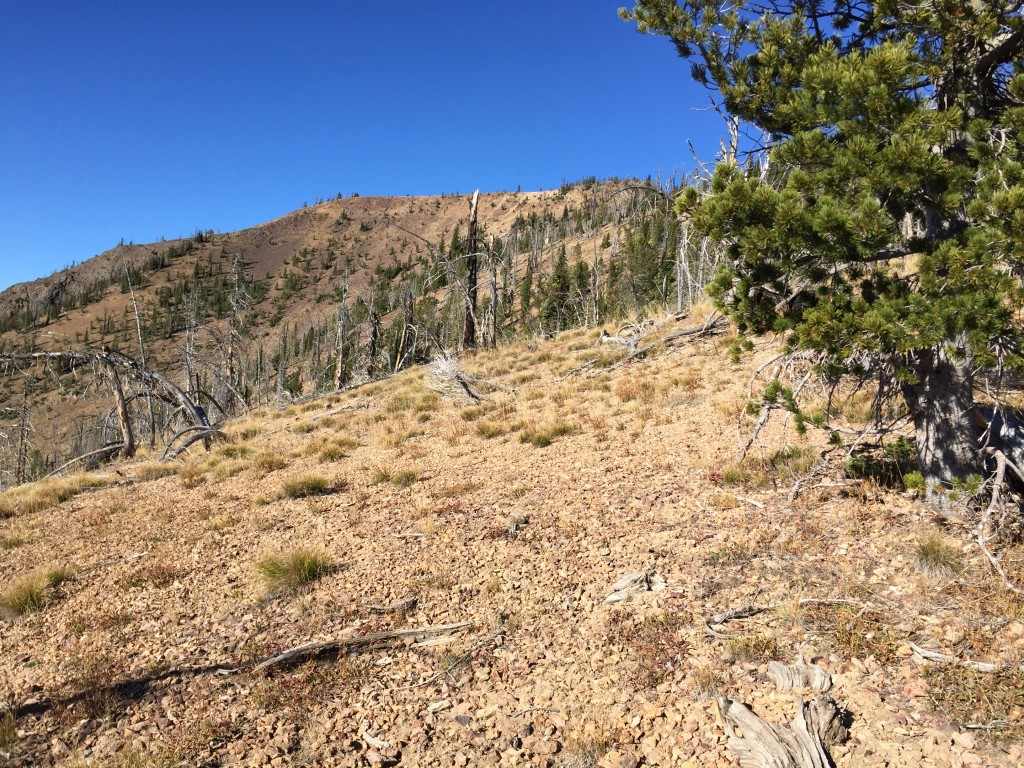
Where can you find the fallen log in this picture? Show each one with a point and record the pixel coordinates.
(360, 642)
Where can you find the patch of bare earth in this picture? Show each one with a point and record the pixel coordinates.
(517, 515)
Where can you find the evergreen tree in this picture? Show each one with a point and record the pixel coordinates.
(554, 314)
(883, 224)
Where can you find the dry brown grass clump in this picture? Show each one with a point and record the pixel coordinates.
(154, 470)
(308, 485)
(543, 435)
(753, 648)
(655, 643)
(938, 557)
(289, 571)
(45, 494)
(30, 593)
(268, 461)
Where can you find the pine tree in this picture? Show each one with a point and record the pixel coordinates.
(882, 224)
(554, 314)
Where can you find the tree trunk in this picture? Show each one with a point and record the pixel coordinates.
(469, 328)
(941, 403)
(123, 417)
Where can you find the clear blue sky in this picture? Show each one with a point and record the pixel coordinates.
(138, 120)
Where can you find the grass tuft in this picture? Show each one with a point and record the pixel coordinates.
(753, 648)
(543, 436)
(270, 462)
(291, 570)
(307, 485)
(938, 557)
(30, 593)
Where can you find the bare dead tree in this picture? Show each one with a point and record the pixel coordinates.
(116, 365)
(469, 327)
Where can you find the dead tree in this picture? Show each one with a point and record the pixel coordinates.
(115, 364)
(469, 328)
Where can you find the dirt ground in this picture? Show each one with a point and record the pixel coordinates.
(515, 515)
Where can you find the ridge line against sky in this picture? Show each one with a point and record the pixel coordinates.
(136, 121)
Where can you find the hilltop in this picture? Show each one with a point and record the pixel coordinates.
(516, 514)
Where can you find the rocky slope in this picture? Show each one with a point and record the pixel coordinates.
(145, 655)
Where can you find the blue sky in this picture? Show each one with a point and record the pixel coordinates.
(140, 120)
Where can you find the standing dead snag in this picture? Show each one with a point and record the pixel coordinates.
(469, 328)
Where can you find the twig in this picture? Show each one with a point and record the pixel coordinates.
(757, 504)
(528, 710)
(457, 662)
(746, 612)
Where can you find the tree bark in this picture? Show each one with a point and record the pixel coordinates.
(941, 401)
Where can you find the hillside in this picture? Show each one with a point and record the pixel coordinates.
(516, 515)
(329, 295)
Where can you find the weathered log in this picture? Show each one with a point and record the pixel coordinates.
(703, 329)
(799, 675)
(818, 723)
(633, 584)
(401, 606)
(360, 642)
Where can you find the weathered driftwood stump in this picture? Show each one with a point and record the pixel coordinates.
(818, 725)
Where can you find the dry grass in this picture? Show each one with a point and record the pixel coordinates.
(12, 542)
(938, 557)
(308, 485)
(655, 643)
(755, 649)
(289, 571)
(403, 478)
(31, 593)
(969, 697)
(44, 494)
(855, 633)
(542, 435)
(583, 751)
(154, 470)
(270, 461)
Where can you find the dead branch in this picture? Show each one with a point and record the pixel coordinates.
(100, 455)
(360, 642)
(746, 612)
(924, 653)
(633, 584)
(981, 534)
(494, 637)
(706, 328)
(202, 433)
